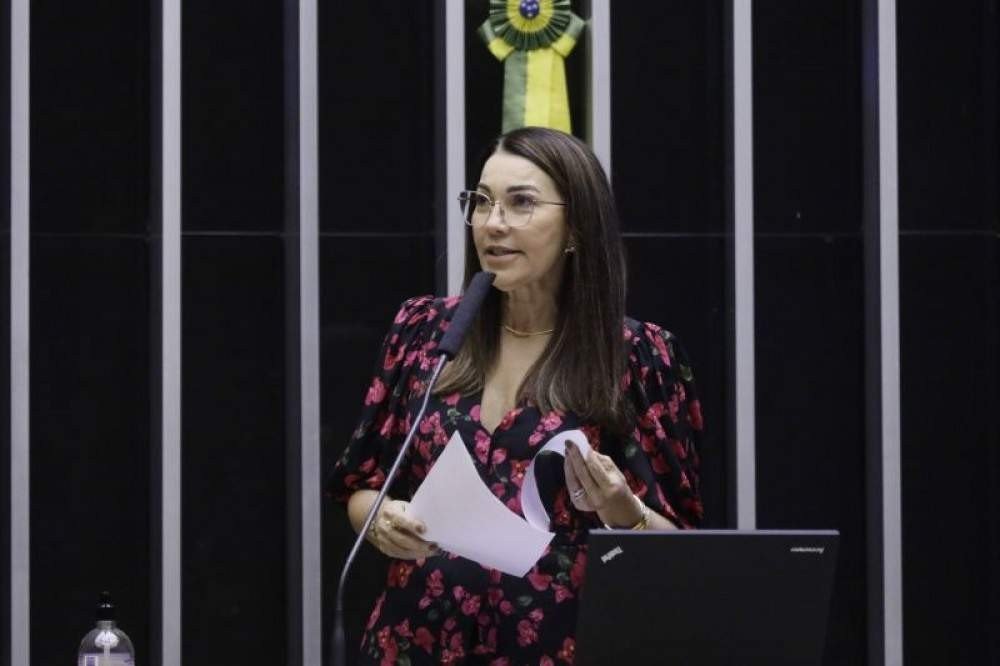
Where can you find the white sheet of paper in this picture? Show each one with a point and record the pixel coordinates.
(531, 502)
(464, 517)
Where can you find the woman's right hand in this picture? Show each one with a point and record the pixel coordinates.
(399, 535)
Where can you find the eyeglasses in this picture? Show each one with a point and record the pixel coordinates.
(516, 208)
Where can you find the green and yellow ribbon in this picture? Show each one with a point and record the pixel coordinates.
(532, 38)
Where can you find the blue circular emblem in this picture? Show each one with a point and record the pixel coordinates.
(529, 8)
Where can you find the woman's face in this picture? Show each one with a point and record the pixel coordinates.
(529, 256)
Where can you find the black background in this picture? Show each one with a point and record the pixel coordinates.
(90, 321)
(233, 333)
(92, 276)
(949, 334)
(809, 290)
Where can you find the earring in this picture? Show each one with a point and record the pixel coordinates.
(570, 249)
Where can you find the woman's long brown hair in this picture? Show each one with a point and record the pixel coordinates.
(582, 367)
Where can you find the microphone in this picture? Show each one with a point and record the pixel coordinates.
(467, 310)
(451, 342)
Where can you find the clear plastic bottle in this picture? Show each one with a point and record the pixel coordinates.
(106, 644)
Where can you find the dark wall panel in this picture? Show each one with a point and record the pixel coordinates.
(483, 92)
(233, 471)
(950, 432)
(950, 331)
(233, 109)
(376, 133)
(89, 440)
(234, 495)
(807, 117)
(669, 286)
(667, 111)
(809, 291)
(90, 321)
(810, 411)
(948, 88)
(90, 116)
(667, 140)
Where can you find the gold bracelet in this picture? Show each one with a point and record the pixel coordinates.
(644, 519)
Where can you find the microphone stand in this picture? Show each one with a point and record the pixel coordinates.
(472, 300)
(339, 647)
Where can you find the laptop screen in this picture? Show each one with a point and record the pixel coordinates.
(706, 598)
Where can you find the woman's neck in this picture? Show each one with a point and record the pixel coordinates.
(529, 312)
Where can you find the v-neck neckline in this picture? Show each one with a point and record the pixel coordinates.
(506, 415)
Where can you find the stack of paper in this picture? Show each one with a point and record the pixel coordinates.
(464, 517)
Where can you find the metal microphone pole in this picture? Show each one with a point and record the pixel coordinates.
(449, 346)
(339, 646)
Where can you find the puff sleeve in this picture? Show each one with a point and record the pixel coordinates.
(661, 460)
(385, 417)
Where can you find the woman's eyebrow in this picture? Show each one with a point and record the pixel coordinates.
(522, 188)
(512, 188)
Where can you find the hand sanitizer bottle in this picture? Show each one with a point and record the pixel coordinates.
(106, 644)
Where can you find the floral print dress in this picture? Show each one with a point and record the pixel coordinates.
(450, 610)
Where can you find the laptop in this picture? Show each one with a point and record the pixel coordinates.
(706, 598)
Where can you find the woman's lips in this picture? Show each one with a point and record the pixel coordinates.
(502, 258)
(500, 251)
(500, 254)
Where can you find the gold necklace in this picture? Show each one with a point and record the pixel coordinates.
(526, 334)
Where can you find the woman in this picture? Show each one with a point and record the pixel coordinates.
(550, 351)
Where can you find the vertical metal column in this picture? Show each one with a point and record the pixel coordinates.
(599, 86)
(20, 301)
(743, 452)
(892, 559)
(454, 35)
(309, 334)
(169, 189)
(881, 232)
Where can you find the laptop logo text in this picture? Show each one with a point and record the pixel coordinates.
(816, 550)
(611, 554)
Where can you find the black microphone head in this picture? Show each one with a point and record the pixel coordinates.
(472, 300)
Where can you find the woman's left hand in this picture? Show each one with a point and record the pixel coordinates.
(596, 484)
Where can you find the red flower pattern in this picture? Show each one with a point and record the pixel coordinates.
(376, 392)
(568, 650)
(470, 605)
(527, 633)
(403, 629)
(539, 581)
(424, 639)
(399, 573)
(435, 583)
(482, 446)
(445, 608)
